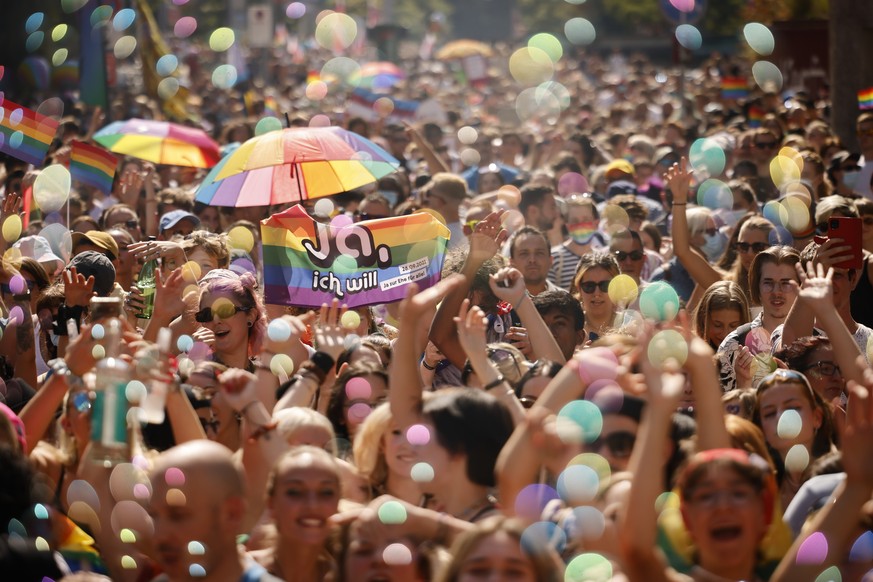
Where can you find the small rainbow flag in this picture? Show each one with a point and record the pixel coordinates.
(756, 116)
(93, 166)
(25, 134)
(865, 98)
(307, 263)
(734, 88)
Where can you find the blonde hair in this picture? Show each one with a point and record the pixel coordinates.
(291, 420)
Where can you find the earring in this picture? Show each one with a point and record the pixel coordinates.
(251, 323)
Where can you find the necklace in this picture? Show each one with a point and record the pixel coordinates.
(476, 509)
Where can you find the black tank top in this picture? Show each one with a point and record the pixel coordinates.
(862, 297)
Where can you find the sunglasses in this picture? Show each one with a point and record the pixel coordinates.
(849, 168)
(620, 443)
(131, 223)
(765, 145)
(822, 369)
(633, 255)
(590, 286)
(226, 311)
(745, 247)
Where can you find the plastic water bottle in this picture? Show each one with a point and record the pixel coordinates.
(153, 407)
(147, 286)
(109, 424)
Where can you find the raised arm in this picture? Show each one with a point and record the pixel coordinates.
(678, 180)
(638, 526)
(434, 162)
(485, 242)
(837, 521)
(405, 386)
(708, 409)
(508, 285)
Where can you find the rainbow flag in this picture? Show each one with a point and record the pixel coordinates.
(25, 134)
(734, 88)
(307, 263)
(93, 165)
(865, 98)
(756, 116)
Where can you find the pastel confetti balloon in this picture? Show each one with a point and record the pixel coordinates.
(578, 484)
(33, 22)
(579, 422)
(358, 389)
(279, 330)
(266, 125)
(295, 10)
(224, 76)
(124, 47)
(392, 513)
(316, 90)
(221, 39)
(59, 32)
(588, 568)
(185, 27)
(98, 352)
(123, 19)
(759, 38)
(767, 76)
(83, 492)
(572, 183)
(541, 536)
(422, 473)
(706, 155)
(797, 458)
(34, 41)
(597, 364)
(59, 57)
(241, 238)
(397, 554)
(813, 550)
(324, 207)
(667, 345)
(689, 37)
(532, 499)
(383, 106)
(789, 425)
(336, 31)
(534, 103)
(167, 65)
(70, 6)
(580, 31)
(11, 228)
(185, 343)
(135, 392)
(683, 5)
(587, 523)
(350, 320)
(51, 189)
(101, 15)
(98, 331)
(623, 290)
(282, 365)
(531, 66)
(862, 548)
(468, 135)
(418, 435)
(715, 195)
(319, 120)
(659, 301)
(547, 43)
(196, 548)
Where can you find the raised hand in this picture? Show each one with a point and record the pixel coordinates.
(507, 284)
(833, 251)
(298, 330)
(238, 387)
(158, 249)
(418, 303)
(11, 204)
(816, 286)
(487, 238)
(77, 289)
(472, 324)
(169, 292)
(329, 333)
(678, 180)
(204, 335)
(857, 436)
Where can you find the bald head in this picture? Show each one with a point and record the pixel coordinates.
(201, 461)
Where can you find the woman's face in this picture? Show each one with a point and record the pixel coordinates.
(824, 374)
(699, 239)
(366, 557)
(210, 219)
(754, 237)
(497, 557)
(232, 333)
(867, 232)
(363, 394)
(725, 517)
(306, 494)
(720, 323)
(597, 303)
(400, 456)
(446, 467)
(489, 182)
(776, 401)
(778, 289)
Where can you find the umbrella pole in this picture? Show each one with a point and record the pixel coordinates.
(287, 120)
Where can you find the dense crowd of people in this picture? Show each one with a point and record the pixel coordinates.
(647, 357)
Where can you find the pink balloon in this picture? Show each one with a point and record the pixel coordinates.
(683, 5)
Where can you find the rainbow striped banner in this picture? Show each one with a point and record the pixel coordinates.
(92, 165)
(25, 134)
(307, 263)
(865, 99)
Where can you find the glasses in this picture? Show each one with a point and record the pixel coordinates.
(785, 285)
(756, 248)
(738, 497)
(765, 145)
(633, 255)
(134, 223)
(226, 311)
(620, 443)
(590, 286)
(821, 369)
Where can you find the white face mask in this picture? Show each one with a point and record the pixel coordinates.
(714, 245)
(850, 178)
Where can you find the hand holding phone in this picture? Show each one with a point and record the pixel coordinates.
(845, 253)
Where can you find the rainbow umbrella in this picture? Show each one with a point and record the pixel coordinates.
(160, 142)
(378, 75)
(294, 164)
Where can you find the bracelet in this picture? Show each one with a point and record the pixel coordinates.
(680, 204)
(263, 430)
(494, 384)
(426, 366)
(306, 374)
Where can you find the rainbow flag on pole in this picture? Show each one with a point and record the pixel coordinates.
(25, 134)
(734, 88)
(307, 263)
(93, 165)
(865, 98)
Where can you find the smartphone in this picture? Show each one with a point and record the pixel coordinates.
(849, 230)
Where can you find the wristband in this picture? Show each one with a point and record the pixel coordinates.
(494, 384)
(427, 366)
(323, 360)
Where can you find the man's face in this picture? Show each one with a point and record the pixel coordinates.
(182, 228)
(562, 327)
(530, 255)
(192, 526)
(548, 214)
(125, 261)
(629, 254)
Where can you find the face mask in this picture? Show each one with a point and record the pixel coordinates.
(391, 195)
(582, 232)
(850, 178)
(714, 246)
